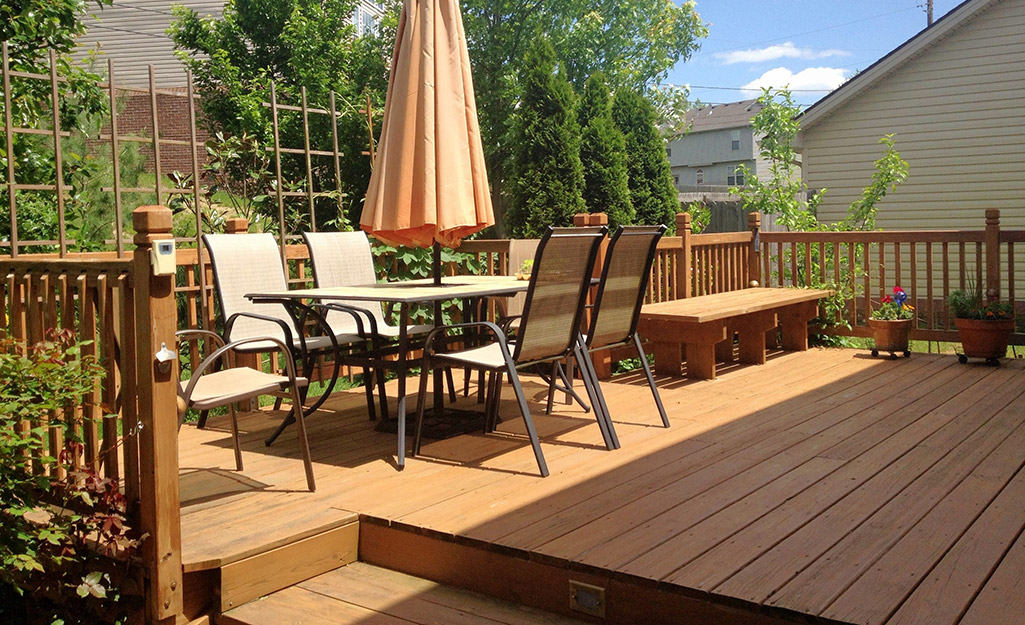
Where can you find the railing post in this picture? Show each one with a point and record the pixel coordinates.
(754, 267)
(992, 254)
(160, 514)
(683, 277)
(603, 359)
(236, 225)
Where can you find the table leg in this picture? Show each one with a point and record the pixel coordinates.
(751, 330)
(794, 320)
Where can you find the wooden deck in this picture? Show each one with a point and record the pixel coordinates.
(825, 486)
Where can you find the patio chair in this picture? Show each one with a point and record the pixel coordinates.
(212, 387)
(617, 309)
(345, 259)
(551, 316)
(250, 263)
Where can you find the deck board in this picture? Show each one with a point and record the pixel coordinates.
(824, 485)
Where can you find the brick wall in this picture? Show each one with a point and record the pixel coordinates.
(136, 119)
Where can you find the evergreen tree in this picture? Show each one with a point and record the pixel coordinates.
(652, 192)
(603, 155)
(545, 141)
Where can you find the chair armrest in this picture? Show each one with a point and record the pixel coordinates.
(227, 349)
(357, 314)
(194, 334)
(230, 322)
(487, 325)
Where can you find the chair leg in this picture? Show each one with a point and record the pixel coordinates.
(480, 387)
(527, 421)
(304, 442)
(651, 380)
(556, 371)
(451, 385)
(382, 395)
(601, 409)
(571, 395)
(368, 383)
(497, 401)
(201, 423)
(234, 437)
(421, 404)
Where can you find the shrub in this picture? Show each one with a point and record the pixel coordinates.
(65, 546)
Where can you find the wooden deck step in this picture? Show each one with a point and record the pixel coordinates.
(369, 595)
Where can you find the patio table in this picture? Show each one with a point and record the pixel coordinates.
(405, 294)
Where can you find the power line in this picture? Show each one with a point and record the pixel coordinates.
(757, 89)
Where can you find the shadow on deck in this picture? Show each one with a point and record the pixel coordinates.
(825, 486)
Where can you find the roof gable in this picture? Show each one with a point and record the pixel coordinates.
(898, 57)
(720, 116)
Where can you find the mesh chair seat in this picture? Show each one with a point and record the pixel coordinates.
(231, 386)
(487, 356)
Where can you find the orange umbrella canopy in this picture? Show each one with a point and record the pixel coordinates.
(429, 184)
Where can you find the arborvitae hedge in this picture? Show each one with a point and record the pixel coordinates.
(652, 192)
(545, 142)
(603, 156)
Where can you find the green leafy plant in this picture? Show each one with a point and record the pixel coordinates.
(969, 303)
(398, 264)
(700, 216)
(65, 543)
(894, 307)
(527, 267)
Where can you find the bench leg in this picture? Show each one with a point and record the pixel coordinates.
(668, 357)
(794, 320)
(701, 342)
(701, 361)
(724, 349)
(751, 330)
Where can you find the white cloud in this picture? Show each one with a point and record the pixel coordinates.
(811, 79)
(783, 51)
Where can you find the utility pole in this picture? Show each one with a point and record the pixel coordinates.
(928, 13)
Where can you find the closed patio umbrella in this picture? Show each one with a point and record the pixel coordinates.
(429, 186)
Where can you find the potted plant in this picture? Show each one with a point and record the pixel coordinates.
(891, 324)
(984, 328)
(525, 269)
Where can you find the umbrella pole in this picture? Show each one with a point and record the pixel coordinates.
(437, 264)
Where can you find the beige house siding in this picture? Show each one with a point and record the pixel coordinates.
(134, 34)
(958, 111)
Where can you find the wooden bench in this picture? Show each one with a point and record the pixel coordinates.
(705, 325)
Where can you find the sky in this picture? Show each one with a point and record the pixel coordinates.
(812, 46)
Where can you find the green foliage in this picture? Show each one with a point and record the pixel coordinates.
(633, 42)
(297, 44)
(782, 192)
(785, 195)
(970, 303)
(700, 216)
(603, 156)
(64, 543)
(399, 264)
(652, 192)
(548, 178)
(32, 29)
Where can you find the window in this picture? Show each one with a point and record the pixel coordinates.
(669, 152)
(735, 177)
(735, 140)
(676, 180)
(699, 176)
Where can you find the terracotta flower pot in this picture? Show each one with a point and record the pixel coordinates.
(891, 336)
(984, 338)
